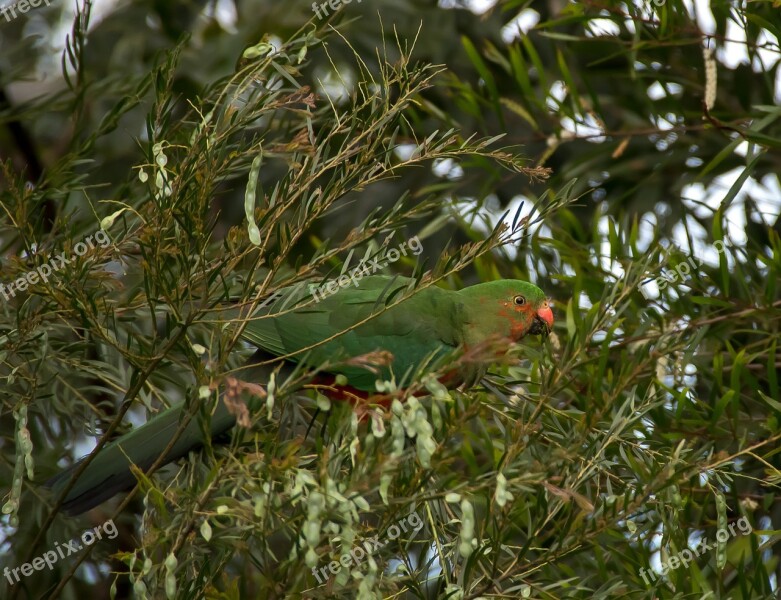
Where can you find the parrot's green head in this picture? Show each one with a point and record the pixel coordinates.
(507, 308)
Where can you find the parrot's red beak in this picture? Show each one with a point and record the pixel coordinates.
(546, 314)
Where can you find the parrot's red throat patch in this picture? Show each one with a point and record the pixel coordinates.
(539, 327)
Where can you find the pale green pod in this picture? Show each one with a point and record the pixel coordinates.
(721, 540)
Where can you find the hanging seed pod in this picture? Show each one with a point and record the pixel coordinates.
(206, 530)
(139, 589)
(24, 459)
(722, 535)
(468, 541)
(249, 199)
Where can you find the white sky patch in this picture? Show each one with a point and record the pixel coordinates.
(484, 218)
(584, 302)
(777, 95)
(588, 126)
(520, 25)
(693, 162)
(447, 167)
(525, 208)
(645, 10)
(742, 148)
(767, 52)
(663, 209)
(665, 122)
(657, 91)
(404, 151)
(601, 336)
(607, 262)
(704, 253)
(602, 27)
(477, 217)
(224, 12)
(52, 37)
(478, 7)
(630, 25)
(693, 197)
(538, 270)
(767, 196)
(84, 444)
(337, 86)
(701, 12)
(431, 565)
(654, 544)
(556, 94)
(650, 289)
(733, 52)
(645, 230)
(703, 202)
(695, 230)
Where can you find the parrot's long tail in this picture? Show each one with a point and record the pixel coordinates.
(109, 472)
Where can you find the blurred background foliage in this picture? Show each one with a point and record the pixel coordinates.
(646, 422)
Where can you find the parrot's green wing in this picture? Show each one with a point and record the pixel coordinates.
(298, 321)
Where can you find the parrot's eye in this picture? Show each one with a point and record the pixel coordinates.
(519, 300)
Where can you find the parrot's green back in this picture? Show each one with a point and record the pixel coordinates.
(412, 330)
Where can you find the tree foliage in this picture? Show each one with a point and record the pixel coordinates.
(601, 153)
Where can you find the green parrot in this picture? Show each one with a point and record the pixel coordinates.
(315, 328)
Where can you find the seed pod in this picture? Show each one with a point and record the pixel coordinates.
(467, 529)
(721, 535)
(170, 586)
(249, 199)
(206, 530)
(675, 497)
